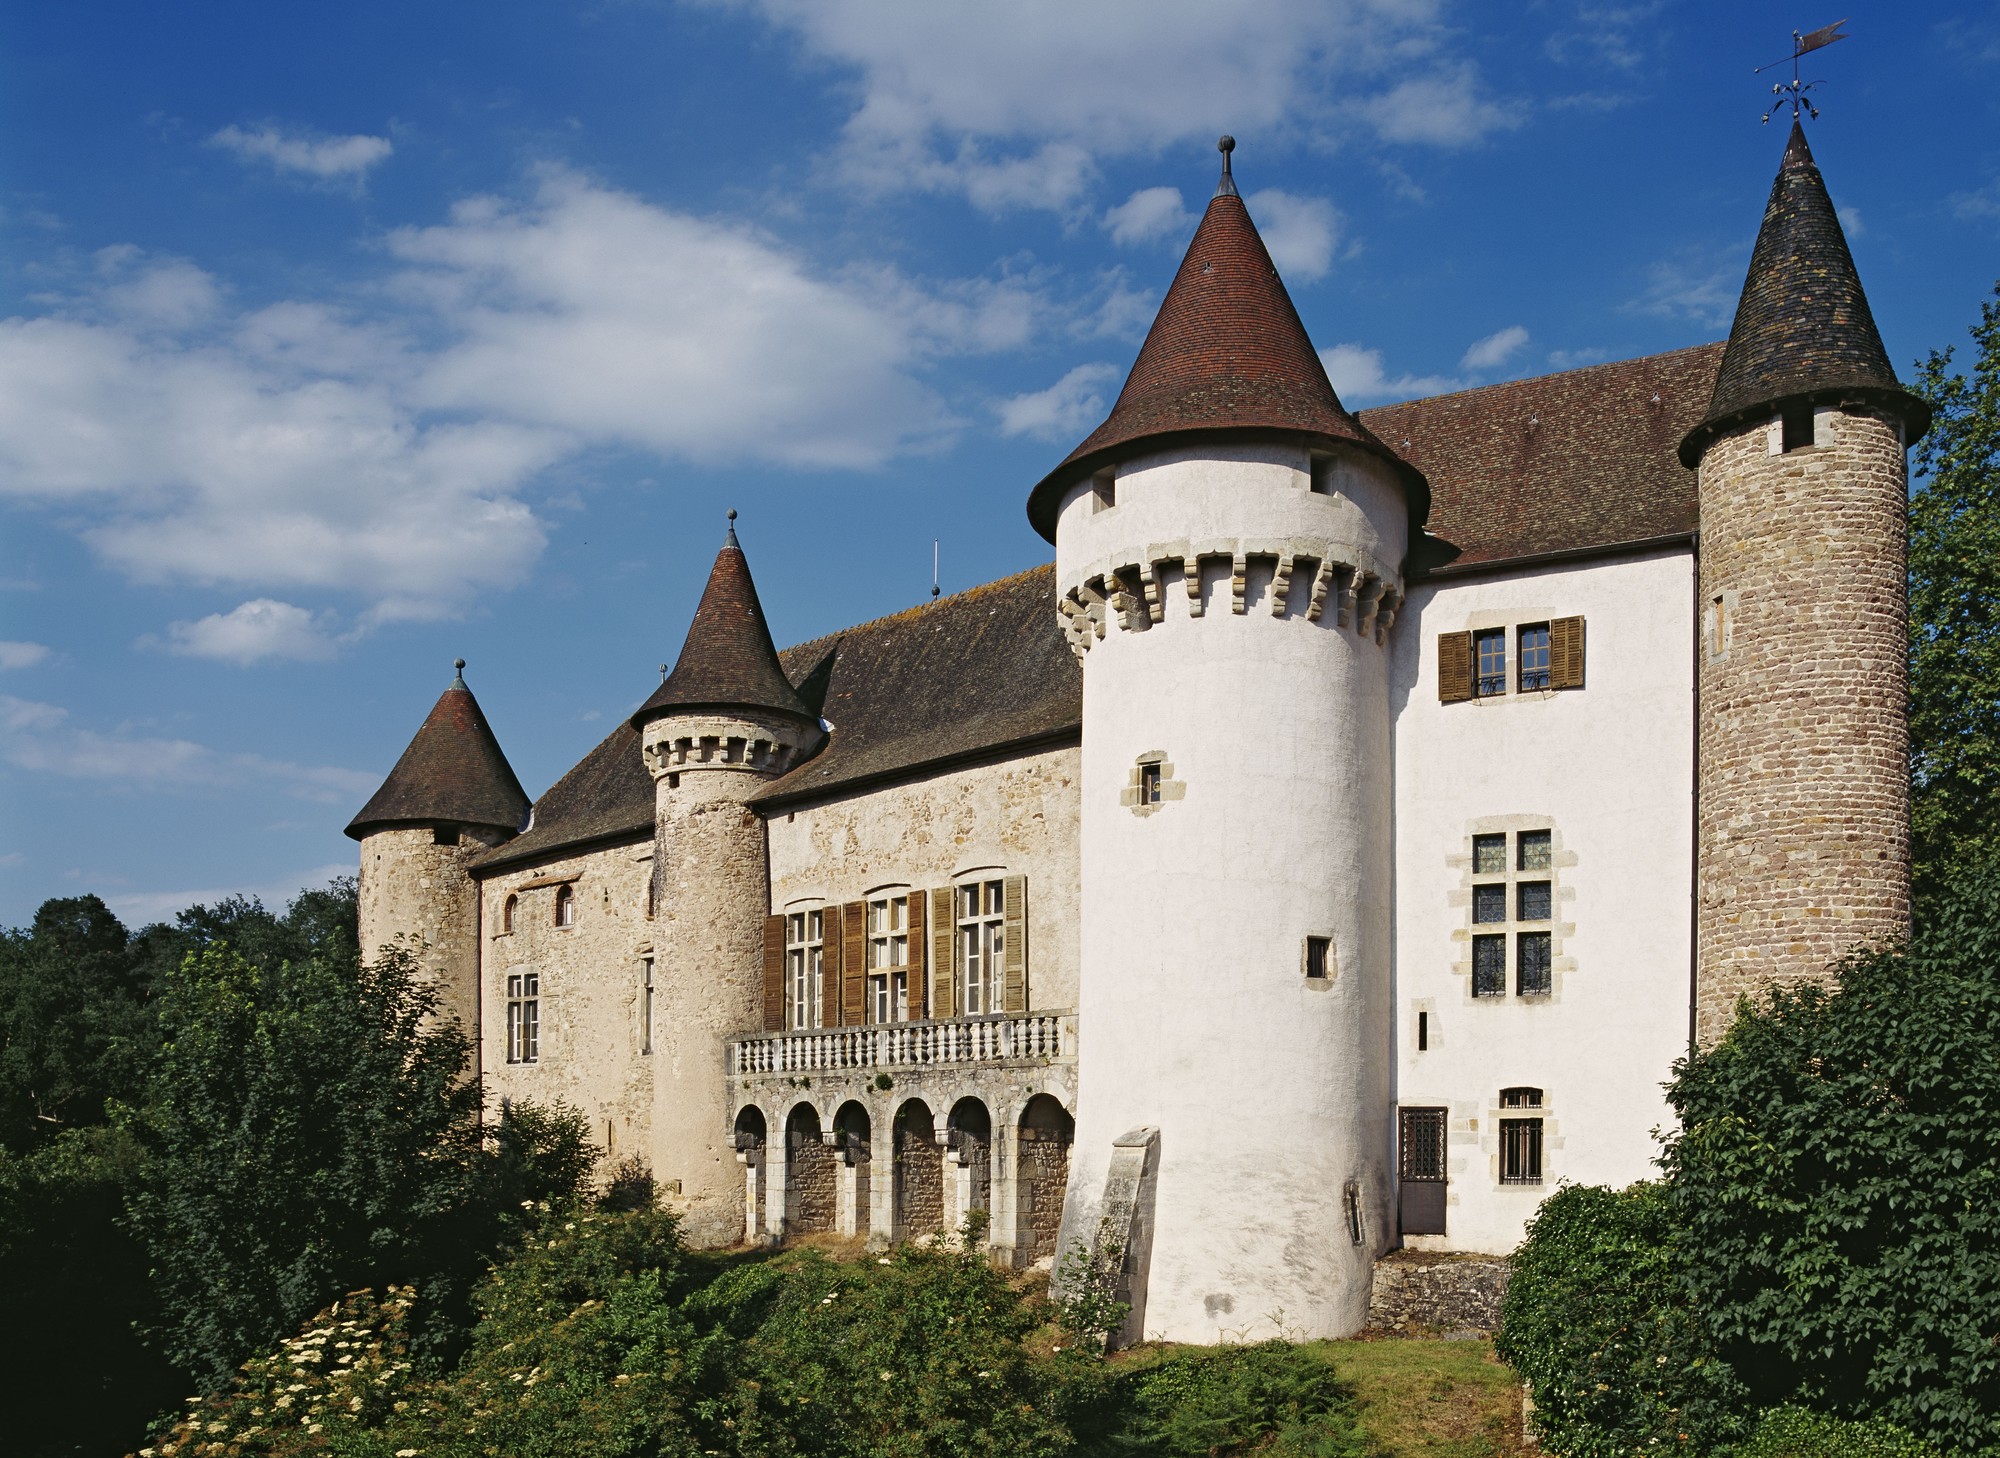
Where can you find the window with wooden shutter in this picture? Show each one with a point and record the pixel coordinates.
(830, 965)
(944, 1003)
(913, 1007)
(1566, 653)
(1454, 667)
(1014, 954)
(774, 974)
(853, 963)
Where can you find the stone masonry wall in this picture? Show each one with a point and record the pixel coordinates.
(1804, 817)
(919, 1184)
(1044, 1177)
(1417, 1291)
(414, 888)
(810, 1185)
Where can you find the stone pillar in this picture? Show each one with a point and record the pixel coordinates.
(1803, 765)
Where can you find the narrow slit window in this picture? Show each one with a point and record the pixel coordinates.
(507, 910)
(1149, 784)
(1423, 1032)
(524, 1017)
(1532, 975)
(646, 1005)
(1318, 950)
(1489, 966)
(565, 906)
(1353, 1203)
(1534, 656)
(1489, 650)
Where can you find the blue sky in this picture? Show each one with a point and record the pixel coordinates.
(342, 340)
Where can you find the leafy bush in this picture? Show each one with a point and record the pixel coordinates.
(1597, 1322)
(1791, 1432)
(1272, 1399)
(1837, 1183)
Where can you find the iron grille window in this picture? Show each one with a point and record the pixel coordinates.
(1489, 855)
(1520, 1098)
(1534, 656)
(1489, 966)
(1531, 899)
(1520, 1151)
(1422, 1153)
(1489, 902)
(1536, 853)
(1490, 660)
(524, 1017)
(805, 968)
(982, 939)
(1531, 965)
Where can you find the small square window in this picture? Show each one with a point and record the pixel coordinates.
(1489, 903)
(1798, 427)
(1490, 660)
(1535, 852)
(1532, 901)
(1318, 954)
(1489, 966)
(1489, 854)
(1520, 1098)
(1532, 976)
(1534, 656)
(1149, 784)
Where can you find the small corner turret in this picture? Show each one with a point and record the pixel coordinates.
(451, 796)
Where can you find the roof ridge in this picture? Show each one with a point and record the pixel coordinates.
(916, 609)
(1602, 364)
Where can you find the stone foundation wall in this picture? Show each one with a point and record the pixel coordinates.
(1804, 816)
(812, 1172)
(919, 1185)
(1417, 1291)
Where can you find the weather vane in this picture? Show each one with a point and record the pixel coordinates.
(1795, 91)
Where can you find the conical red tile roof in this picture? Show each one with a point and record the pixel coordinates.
(728, 660)
(1226, 358)
(1803, 328)
(453, 773)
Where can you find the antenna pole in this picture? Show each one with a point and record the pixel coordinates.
(934, 569)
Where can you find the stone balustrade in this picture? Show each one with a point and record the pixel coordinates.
(1038, 1037)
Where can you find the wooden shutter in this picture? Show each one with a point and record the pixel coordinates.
(774, 974)
(829, 967)
(944, 962)
(1566, 653)
(915, 978)
(1454, 667)
(1014, 957)
(853, 963)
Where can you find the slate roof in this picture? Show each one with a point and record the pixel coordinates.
(1563, 463)
(452, 773)
(1226, 358)
(1803, 329)
(607, 797)
(728, 660)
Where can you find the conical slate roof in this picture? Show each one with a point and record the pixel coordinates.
(728, 660)
(452, 773)
(1226, 358)
(1803, 330)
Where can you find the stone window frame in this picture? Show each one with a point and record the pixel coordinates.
(1152, 766)
(523, 989)
(563, 913)
(510, 910)
(1559, 928)
(894, 899)
(1492, 1144)
(804, 910)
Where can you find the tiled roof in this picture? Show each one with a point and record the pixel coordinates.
(452, 773)
(728, 660)
(608, 796)
(1226, 357)
(1803, 330)
(963, 676)
(1562, 463)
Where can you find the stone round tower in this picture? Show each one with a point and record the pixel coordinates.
(723, 725)
(451, 797)
(1229, 551)
(1803, 814)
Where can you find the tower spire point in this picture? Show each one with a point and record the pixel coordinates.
(1226, 186)
(458, 673)
(729, 540)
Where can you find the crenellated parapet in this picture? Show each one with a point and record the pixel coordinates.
(1314, 578)
(764, 746)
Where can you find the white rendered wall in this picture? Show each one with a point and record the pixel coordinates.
(1270, 1092)
(1609, 769)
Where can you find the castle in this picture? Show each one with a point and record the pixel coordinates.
(1331, 851)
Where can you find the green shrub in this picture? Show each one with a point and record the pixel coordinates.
(1272, 1399)
(1597, 1322)
(1792, 1432)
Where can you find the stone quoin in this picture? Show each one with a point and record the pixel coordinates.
(1326, 855)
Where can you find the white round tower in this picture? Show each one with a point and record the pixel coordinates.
(1229, 553)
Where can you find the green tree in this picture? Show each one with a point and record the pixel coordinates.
(1955, 613)
(1836, 1184)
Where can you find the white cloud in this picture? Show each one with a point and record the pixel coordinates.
(1850, 219)
(21, 655)
(1495, 349)
(1697, 285)
(252, 632)
(1300, 232)
(1357, 374)
(39, 738)
(304, 447)
(139, 908)
(311, 154)
(1570, 359)
(1066, 411)
(1015, 104)
(1148, 216)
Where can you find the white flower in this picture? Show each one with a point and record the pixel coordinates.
(285, 1401)
(406, 1453)
(883, 1261)
(885, 1376)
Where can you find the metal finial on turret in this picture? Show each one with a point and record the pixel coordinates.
(458, 673)
(1227, 186)
(663, 673)
(730, 539)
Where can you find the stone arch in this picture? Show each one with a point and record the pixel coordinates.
(854, 1147)
(810, 1174)
(751, 1135)
(1046, 1130)
(919, 1171)
(969, 1132)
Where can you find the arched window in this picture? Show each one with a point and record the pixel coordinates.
(507, 910)
(565, 906)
